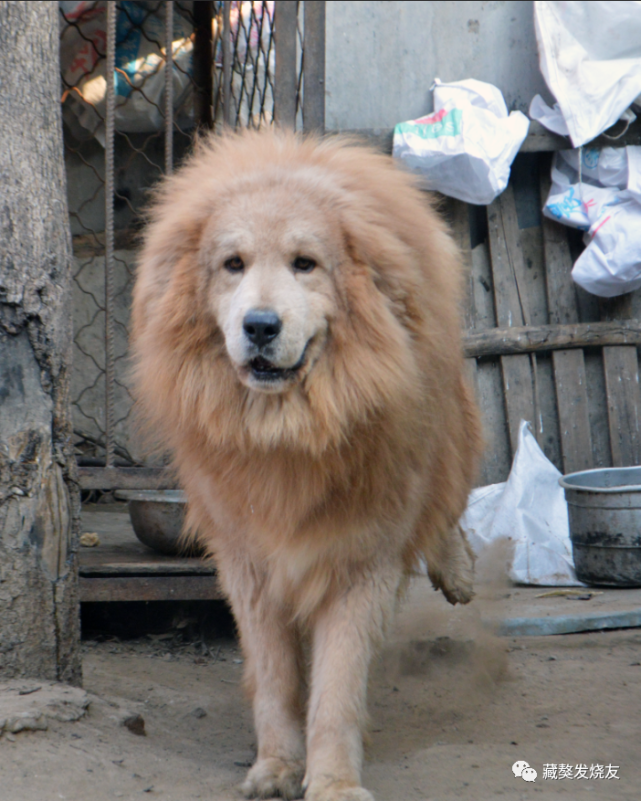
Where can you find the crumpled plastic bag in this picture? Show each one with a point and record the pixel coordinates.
(466, 147)
(530, 510)
(551, 117)
(606, 204)
(611, 263)
(590, 57)
(140, 65)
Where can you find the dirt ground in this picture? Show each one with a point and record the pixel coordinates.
(452, 708)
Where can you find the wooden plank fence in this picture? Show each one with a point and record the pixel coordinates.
(539, 348)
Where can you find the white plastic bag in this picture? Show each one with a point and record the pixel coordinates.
(575, 204)
(466, 147)
(550, 118)
(590, 57)
(611, 263)
(606, 203)
(139, 65)
(607, 166)
(530, 510)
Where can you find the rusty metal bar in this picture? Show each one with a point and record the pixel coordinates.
(314, 66)
(112, 12)
(285, 31)
(169, 87)
(202, 60)
(227, 58)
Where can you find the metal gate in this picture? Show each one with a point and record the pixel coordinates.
(139, 80)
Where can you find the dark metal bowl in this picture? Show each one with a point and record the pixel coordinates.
(157, 517)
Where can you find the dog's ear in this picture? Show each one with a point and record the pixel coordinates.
(156, 265)
(176, 220)
(389, 264)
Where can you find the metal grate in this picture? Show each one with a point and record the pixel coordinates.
(139, 79)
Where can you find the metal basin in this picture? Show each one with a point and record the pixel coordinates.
(604, 508)
(157, 518)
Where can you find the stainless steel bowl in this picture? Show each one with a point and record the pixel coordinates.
(157, 517)
(604, 508)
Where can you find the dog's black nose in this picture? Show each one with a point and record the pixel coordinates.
(261, 326)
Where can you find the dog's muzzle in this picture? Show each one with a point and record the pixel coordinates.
(262, 327)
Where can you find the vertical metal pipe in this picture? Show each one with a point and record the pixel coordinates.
(227, 116)
(285, 19)
(314, 66)
(112, 12)
(169, 86)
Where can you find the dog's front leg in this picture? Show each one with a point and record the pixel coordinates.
(274, 677)
(346, 632)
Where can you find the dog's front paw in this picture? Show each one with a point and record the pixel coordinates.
(454, 573)
(330, 790)
(461, 593)
(458, 589)
(274, 777)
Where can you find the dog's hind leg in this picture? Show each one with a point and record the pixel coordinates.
(274, 678)
(345, 634)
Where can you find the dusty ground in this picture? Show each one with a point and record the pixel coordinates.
(452, 709)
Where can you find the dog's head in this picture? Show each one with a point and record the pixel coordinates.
(289, 288)
(270, 252)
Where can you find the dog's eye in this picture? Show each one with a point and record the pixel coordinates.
(234, 265)
(304, 265)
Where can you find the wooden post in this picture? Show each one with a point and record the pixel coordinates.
(314, 67)
(39, 501)
(285, 31)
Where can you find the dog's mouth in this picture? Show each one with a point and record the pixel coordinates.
(265, 371)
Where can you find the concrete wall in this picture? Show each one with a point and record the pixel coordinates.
(383, 56)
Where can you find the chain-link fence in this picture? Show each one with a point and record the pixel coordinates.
(139, 79)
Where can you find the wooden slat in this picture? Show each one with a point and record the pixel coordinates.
(458, 212)
(478, 314)
(489, 378)
(285, 88)
(146, 588)
(511, 310)
(113, 478)
(621, 369)
(546, 338)
(314, 66)
(569, 365)
(561, 290)
(460, 221)
(572, 403)
(134, 559)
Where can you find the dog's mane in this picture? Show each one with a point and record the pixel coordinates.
(392, 316)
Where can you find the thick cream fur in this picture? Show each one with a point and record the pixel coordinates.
(318, 497)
